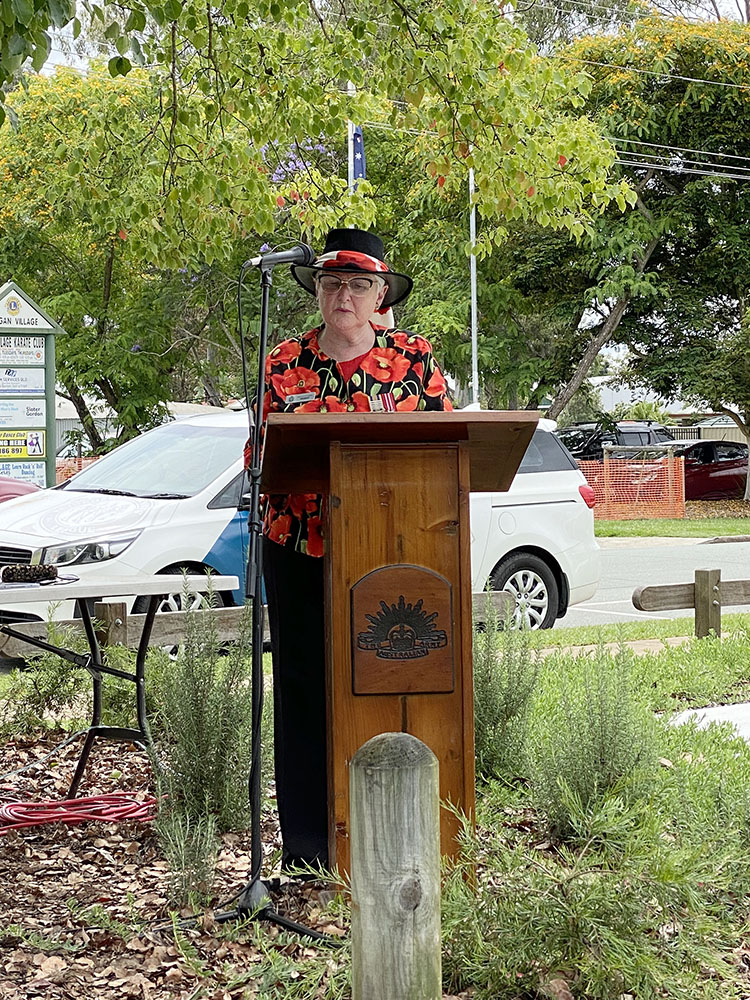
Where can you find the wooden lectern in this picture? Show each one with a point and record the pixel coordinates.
(398, 577)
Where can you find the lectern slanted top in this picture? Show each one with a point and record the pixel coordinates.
(398, 577)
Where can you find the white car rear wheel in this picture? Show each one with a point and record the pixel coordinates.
(532, 583)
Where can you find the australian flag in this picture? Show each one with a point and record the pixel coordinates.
(359, 155)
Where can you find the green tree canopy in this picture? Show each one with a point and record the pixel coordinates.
(231, 136)
(678, 259)
(238, 82)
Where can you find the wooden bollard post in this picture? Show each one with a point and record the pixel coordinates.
(113, 617)
(395, 870)
(707, 602)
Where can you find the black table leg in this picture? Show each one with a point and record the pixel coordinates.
(140, 666)
(94, 668)
(93, 663)
(139, 736)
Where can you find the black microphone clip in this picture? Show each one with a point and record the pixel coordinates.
(300, 253)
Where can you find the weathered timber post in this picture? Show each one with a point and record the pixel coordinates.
(707, 602)
(606, 474)
(113, 623)
(395, 870)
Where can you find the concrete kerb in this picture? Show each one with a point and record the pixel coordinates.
(640, 541)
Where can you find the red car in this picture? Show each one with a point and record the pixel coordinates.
(714, 470)
(10, 488)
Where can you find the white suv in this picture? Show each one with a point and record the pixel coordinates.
(171, 498)
(537, 540)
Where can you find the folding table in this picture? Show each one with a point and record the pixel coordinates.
(84, 593)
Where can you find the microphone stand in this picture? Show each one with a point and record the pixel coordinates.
(255, 897)
(254, 900)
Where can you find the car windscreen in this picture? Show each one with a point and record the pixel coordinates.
(583, 442)
(546, 453)
(175, 460)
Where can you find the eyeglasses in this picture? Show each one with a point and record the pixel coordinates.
(331, 283)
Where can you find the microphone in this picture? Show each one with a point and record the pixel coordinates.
(300, 253)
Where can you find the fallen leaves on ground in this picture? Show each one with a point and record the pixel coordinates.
(696, 510)
(80, 905)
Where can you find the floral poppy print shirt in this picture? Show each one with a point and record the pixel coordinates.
(398, 373)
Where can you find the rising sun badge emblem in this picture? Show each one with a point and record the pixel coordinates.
(402, 631)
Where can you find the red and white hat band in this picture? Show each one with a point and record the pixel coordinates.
(351, 259)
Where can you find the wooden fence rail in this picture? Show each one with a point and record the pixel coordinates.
(707, 595)
(118, 628)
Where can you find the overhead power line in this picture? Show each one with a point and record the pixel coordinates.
(583, 5)
(653, 72)
(674, 149)
(670, 169)
(682, 166)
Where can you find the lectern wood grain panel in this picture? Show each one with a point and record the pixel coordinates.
(398, 578)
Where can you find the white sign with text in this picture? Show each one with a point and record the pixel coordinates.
(17, 314)
(21, 381)
(23, 412)
(22, 350)
(29, 472)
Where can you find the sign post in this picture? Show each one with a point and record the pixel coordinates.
(27, 388)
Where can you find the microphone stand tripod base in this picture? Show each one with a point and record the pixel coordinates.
(254, 900)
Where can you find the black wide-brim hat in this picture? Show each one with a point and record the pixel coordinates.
(355, 250)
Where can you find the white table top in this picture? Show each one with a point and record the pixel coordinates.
(23, 593)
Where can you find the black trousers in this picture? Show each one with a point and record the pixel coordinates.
(294, 594)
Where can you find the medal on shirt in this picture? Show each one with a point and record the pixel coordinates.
(384, 403)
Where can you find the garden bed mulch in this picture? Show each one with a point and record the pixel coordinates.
(699, 509)
(73, 899)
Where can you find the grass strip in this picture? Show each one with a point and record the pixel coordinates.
(707, 527)
(659, 628)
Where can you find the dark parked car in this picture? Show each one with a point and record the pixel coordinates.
(585, 441)
(714, 470)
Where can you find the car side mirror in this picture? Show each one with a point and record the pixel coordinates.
(243, 502)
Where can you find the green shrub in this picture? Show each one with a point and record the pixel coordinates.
(52, 692)
(205, 720)
(189, 846)
(704, 790)
(592, 734)
(626, 917)
(505, 674)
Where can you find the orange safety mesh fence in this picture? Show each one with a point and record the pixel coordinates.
(67, 467)
(638, 487)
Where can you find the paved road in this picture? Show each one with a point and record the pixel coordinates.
(630, 563)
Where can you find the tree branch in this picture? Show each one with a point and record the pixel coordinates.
(596, 343)
(84, 415)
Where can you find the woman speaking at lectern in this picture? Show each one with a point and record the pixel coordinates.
(347, 364)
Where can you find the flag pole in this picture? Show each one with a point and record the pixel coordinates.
(473, 286)
(350, 147)
(350, 142)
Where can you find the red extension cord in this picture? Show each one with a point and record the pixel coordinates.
(107, 808)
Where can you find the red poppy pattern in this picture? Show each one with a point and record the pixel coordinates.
(301, 378)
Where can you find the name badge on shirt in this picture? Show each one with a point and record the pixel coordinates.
(301, 397)
(384, 403)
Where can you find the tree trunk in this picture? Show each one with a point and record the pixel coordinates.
(565, 395)
(92, 432)
(745, 428)
(211, 389)
(595, 345)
